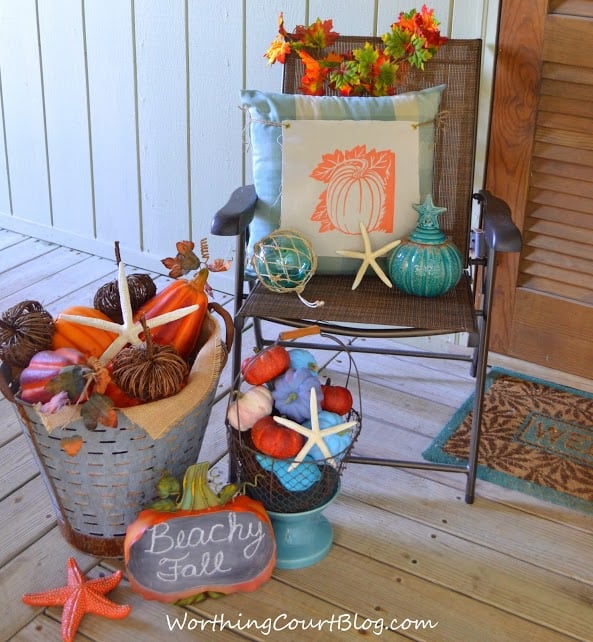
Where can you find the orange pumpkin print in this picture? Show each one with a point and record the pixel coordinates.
(360, 188)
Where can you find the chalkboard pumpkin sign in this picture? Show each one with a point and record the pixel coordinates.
(206, 545)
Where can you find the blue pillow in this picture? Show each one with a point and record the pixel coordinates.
(268, 110)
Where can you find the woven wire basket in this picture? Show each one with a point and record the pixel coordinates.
(311, 483)
(100, 491)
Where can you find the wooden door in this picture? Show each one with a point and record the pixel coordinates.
(540, 161)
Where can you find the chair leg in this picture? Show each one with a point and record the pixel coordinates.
(481, 363)
(257, 331)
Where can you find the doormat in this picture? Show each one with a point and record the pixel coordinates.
(537, 437)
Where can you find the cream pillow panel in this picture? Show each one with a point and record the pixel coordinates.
(340, 174)
(268, 110)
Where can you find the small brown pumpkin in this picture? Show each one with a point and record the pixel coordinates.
(149, 371)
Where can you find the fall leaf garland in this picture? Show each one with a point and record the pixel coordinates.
(367, 71)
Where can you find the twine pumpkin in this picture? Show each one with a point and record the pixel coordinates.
(149, 371)
(25, 329)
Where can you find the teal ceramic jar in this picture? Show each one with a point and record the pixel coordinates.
(427, 263)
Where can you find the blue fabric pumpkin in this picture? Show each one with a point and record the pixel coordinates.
(301, 358)
(292, 393)
(298, 480)
(335, 443)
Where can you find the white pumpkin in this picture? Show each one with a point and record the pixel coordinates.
(249, 406)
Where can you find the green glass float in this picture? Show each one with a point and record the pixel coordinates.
(284, 261)
(427, 263)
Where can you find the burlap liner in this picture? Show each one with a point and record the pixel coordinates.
(157, 418)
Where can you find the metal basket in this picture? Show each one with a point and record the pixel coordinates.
(316, 480)
(311, 483)
(97, 493)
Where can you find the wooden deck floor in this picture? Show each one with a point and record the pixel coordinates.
(407, 548)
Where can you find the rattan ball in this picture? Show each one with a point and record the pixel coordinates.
(284, 261)
(107, 300)
(25, 329)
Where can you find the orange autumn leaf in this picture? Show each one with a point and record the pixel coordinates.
(313, 79)
(185, 261)
(71, 445)
(281, 30)
(101, 377)
(278, 51)
(318, 35)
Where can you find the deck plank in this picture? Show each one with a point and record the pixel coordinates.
(26, 514)
(441, 554)
(17, 466)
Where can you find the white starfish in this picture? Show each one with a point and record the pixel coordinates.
(129, 331)
(315, 435)
(369, 258)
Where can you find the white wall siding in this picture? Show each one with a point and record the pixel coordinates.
(24, 114)
(113, 118)
(120, 118)
(66, 115)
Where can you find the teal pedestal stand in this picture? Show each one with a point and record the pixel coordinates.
(302, 539)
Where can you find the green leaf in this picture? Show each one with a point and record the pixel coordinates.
(366, 58)
(71, 379)
(396, 43)
(385, 78)
(346, 76)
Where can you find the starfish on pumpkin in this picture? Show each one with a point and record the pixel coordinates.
(314, 435)
(129, 331)
(369, 258)
(81, 596)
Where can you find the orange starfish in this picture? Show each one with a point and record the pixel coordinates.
(79, 597)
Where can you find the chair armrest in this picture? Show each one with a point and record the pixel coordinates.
(235, 216)
(500, 233)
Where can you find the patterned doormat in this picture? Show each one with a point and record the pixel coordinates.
(537, 437)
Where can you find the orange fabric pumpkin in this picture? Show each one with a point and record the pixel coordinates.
(336, 399)
(182, 334)
(270, 438)
(265, 365)
(90, 341)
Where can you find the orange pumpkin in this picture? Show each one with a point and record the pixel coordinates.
(265, 365)
(182, 334)
(271, 438)
(336, 399)
(90, 341)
